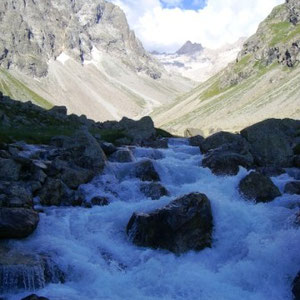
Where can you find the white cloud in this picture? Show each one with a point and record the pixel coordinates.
(220, 22)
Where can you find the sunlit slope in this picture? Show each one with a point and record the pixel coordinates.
(264, 82)
(12, 87)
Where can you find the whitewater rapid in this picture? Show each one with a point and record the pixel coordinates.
(255, 253)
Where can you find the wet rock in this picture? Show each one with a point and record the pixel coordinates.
(85, 151)
(292, 188)
(258, 187)
(296, 161)
(293, 172)
(74, 177)
(14, 194)
(219, 139)
(156, 143)
(17, 222)
(69, 173)
(82, 149)
(22, 271)
(122, 156)
(138, 131)
(196, 141)
(145, 171)
(270, 171)
(271, 141)
(59, 110)
(296, 287)
(100, 201)
(185, 224)
(53, 192)
(227, 159)
(108, 148)
(153, 190)
(34, 297)
(9, 169)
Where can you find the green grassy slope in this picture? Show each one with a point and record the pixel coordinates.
(258, 85)
(12, 87)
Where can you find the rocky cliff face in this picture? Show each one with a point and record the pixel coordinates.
(33, 32)
(82, 54)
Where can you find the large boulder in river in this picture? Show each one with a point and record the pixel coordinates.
(227, 159)
(83, 150)
(153, 190)
(17, 222)
(145, 171)
(185, 224)
(122, 156)
(258, 187)
(219, 139)
(196, 141)
(272, 141)
(292, 188)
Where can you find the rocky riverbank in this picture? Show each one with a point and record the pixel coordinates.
(48, 158)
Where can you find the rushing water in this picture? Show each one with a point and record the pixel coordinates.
(255, 253)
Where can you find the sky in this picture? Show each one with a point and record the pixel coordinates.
(165, 25)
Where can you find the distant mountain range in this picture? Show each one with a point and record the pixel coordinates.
(198, 63)
(263, 82)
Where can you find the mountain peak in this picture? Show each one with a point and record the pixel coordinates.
(190, 48)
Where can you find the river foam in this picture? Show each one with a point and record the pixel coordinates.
(255, 253)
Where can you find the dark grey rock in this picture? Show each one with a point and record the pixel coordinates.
(100, 201)
(17, 222)
(227, 159)
(34, 297)
(108, 148)
(271, 171)
(272, 141)
(156, 143)
(145, 171)
(122, 156)
(138, 131)
(84, 150)
(9, 169)
(185, 224)
(296, 161)
(296, 287)
(74, 177)
(60, 110)
(196, 141)
(219, 139)
(153, 190)
(258, 187)
(15, 194)
(292, 188)
(53, 192)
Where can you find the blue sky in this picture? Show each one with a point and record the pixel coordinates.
(165, 25)
(184, 4)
